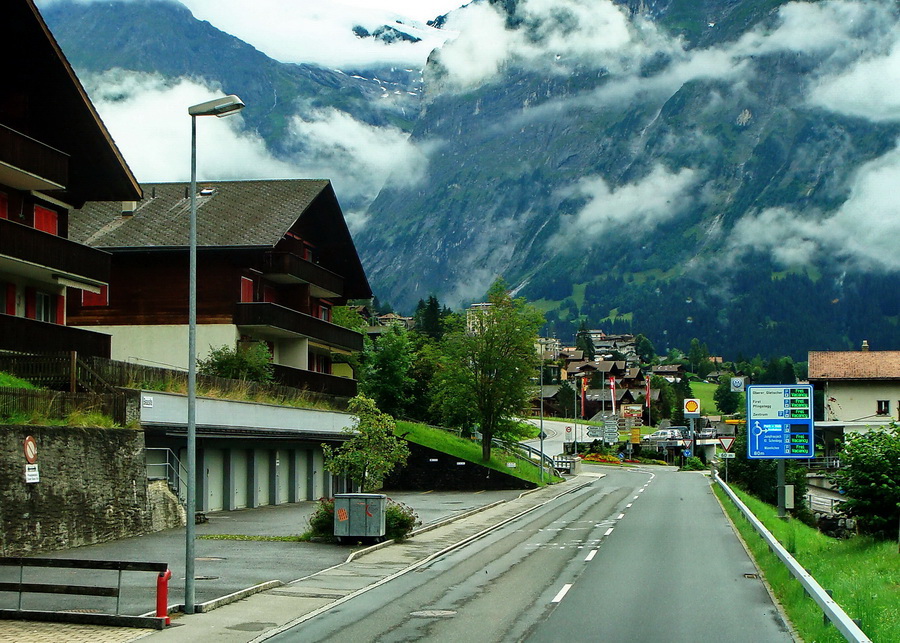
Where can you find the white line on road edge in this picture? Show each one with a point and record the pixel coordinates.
(562, 593)
(609, 531)
(628, 506)
(620, 516)
(590, 556)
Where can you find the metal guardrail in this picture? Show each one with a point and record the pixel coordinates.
(833, 612)
(823, 505)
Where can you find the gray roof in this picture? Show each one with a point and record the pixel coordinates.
(233, 214)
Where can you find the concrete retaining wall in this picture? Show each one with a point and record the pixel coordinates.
(92, 488)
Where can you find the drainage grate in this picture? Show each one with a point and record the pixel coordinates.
(751, 575)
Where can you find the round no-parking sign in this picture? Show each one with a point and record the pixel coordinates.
(30, 450)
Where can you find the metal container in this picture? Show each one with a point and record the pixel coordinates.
(359, 515)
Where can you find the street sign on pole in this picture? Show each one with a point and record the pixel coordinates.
(779, 421)
(727, 443)
(726, 456)
(691, 408)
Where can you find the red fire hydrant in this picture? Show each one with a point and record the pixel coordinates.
(162, 595)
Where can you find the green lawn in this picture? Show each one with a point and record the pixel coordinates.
(863, 574)
(469, 450)
(704, 392)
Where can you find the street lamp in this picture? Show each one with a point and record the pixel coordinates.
(216, 107)
(541, 394)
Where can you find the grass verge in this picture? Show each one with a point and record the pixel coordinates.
(863, 574)
(470, 450)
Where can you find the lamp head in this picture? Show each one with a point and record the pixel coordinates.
(217, 107)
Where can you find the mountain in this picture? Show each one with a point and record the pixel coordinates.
(720, 169)
(696, 181)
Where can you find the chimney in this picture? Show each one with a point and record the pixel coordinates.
(128, 208)
(865, 346)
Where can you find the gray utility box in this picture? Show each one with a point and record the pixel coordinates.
(359, 515)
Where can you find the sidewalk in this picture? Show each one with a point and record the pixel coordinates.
(326, 575)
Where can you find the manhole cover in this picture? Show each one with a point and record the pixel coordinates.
(206, 577)
(433, 613)
(210, 558)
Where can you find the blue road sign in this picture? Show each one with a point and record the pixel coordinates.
(780, 421)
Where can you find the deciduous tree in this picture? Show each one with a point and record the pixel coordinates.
(487, 368)
(373, 451)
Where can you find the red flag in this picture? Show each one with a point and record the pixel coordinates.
(584, 388)
(612, 392)
(647, 401)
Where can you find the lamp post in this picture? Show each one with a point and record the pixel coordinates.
(216, 107)
(541, 394)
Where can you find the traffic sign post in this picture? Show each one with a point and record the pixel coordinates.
(780, 426)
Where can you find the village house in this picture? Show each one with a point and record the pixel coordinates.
(55, 154)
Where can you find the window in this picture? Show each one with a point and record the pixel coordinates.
(46, 220)
(246, 289)
(4, 206)
(43, 307)
(270, 295)
(325, 312)
(8, 292)
(883, 407)
(95, 298)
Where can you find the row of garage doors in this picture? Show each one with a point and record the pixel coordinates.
(240, 476)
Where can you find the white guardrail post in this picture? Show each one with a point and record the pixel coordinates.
(832, 610)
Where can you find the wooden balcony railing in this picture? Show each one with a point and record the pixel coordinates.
(29, 335)
(286, 322)
(54, 253)
(315, 382)
(30, 161)
(286, 263)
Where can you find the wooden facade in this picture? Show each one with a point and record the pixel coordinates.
(48, 164)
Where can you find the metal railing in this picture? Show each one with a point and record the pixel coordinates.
(823, 505)
(166, 466)
(833, 612)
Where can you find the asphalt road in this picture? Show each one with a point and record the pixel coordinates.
(636, 556)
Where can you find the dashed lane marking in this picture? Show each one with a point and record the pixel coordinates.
(562, 593)
(591, 555)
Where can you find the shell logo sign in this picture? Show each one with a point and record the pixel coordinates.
(691, 408)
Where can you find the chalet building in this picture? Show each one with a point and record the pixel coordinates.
(671, 372)
(274, 257)
(55, 154)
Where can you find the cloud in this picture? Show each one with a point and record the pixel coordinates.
(862, 233)
(322, 32)
(147, 118)
(869, 89)
(358, 157)
(638, 207)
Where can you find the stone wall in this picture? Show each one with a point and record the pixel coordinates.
(428, 469)
(92, 488)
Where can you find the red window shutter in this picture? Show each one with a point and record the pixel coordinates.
(31, 303)
(4, 206)
(10, 293)
(46, 220)
(95, 298)
(270, 295)
(246, 289)
(60, 310)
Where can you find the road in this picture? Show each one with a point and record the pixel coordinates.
(556, 432)
(639, 555)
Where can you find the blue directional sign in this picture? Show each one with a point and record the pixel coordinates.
(780, 421)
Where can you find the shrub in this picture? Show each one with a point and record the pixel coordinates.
(399, 520)
(321, 522)
(693, 464)
(249, 361)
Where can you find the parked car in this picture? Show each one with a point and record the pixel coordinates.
(664, 434)
(706, 434)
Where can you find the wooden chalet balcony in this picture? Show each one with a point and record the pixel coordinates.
(315, 382)
(29, 335)
(27, 164)
(278, 321)
(53, 253)
(286, 267)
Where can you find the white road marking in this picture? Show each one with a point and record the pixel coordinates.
(628, 506)
(591, 555)
(620, 516)
(562, 593)
(609, 531)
